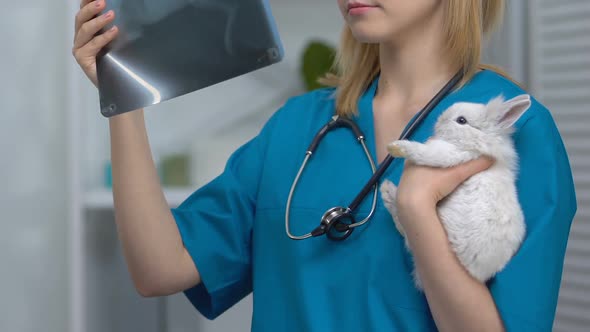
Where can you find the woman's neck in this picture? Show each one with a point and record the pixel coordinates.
(415, 68)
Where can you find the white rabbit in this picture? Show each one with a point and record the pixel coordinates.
(482, 217)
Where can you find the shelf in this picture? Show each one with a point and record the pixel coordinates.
(103, 198)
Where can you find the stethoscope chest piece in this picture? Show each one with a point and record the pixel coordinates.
(335, 223)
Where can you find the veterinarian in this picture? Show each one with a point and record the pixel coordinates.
(228, 239)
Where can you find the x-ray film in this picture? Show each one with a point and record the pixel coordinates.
(168, 48)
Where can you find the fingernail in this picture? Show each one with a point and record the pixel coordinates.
(98, 3)
(108, 14)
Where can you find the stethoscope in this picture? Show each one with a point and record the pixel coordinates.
(339, 222)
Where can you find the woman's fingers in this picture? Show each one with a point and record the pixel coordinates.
(89, 29)
(91, 49)
(85, 2)
(87, 40)
(470, 168)
(87, 12)
(100, 41)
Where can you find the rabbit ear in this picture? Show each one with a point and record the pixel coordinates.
(513, 109)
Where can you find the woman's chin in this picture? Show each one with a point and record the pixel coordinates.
(369, 31)
(368, 36)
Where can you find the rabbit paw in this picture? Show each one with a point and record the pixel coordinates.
(397, 149)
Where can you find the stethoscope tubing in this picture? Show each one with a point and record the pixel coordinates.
(404, 135)
(308, 154)
(336, 213)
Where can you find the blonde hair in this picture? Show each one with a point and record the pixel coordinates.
(357, 64)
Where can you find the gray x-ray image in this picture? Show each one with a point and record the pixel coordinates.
(166, 49)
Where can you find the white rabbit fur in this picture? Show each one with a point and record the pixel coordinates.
(482, 217)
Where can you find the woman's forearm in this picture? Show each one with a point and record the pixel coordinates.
(157, 260)
(457, 301)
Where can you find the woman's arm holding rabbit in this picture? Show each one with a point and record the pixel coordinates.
(457, 301)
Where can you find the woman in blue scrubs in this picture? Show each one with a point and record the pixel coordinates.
(228, 238)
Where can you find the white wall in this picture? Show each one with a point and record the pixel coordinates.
(508, 46)
(33, 233)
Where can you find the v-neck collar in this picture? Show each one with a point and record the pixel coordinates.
(366, 121)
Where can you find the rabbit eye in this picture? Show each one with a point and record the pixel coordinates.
(461, 120)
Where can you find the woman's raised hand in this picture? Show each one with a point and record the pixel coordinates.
(87, 43)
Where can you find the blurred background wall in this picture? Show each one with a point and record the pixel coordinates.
(33, 174)
(61, 264)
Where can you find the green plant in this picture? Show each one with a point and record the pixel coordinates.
(317, 60)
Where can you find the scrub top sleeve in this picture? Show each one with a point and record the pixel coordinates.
(526, 291)
(215, 224)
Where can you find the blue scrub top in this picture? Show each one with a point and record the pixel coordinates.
(234, 227)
